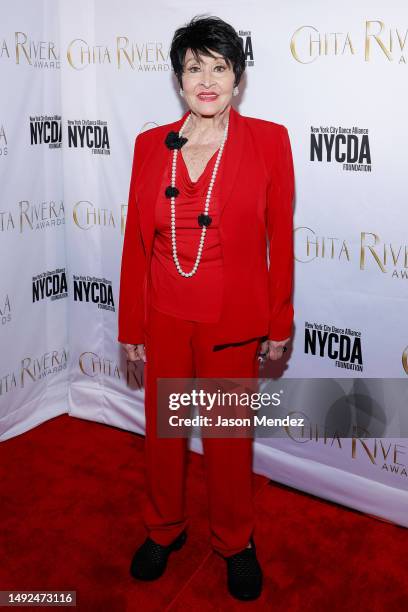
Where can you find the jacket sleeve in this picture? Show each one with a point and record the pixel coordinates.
(280, 235)
(133, 267)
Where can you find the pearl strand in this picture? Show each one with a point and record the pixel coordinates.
(207, 204)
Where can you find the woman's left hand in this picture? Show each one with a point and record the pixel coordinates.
(274, 349)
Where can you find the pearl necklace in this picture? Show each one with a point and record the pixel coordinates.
(207, 204)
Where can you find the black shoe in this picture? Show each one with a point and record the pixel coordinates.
(244, 574)
(150, 559)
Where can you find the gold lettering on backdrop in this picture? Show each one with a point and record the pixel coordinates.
(309, 246)
(322, 247)
(405, 359)
(134, 375)
(147, 125)
(397, 452)
(4, 49)
(385, 451)
(94, 216)
(7, 383)
(51, 50)
(349, 44)
(307, 43)
(3, 135)
(69, 53)
(149, 56)
(95, 54)
(293, 43)
(392, 452)
(376, 36)
(41, 215)
(150, 52)
(402, 44)
(376, 450)
(310, 432)
(21, 44)
(139, 51)
(75, 214)
(5, 226)
(120, 49)
(345, 249)
(308, 243)
(149, 49)
(41, 51)
(317, 44)
(82, 363)
(6, 308)
(123, 217)
(364, 246)
(36, 368)
(159, 51)
(106, 56)
(354, 441)
(91, 365)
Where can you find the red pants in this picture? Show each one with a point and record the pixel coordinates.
(178, 348)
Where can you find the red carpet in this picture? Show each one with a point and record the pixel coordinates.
(71, 492)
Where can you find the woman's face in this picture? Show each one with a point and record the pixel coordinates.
(207, 83)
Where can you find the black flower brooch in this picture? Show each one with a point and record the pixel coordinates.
(171, 192)
(174, 141)
(204, 220)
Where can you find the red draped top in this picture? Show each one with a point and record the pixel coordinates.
(196, 298)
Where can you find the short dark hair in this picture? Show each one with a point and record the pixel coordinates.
(203, 35)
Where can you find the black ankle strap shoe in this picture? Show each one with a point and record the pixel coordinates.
(150, 559)
(244, 574)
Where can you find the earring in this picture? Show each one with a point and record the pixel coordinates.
(235, 91)
(181, 92)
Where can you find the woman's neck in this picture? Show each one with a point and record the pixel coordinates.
(201, 125)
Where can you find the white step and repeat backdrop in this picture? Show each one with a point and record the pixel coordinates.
(79, 80)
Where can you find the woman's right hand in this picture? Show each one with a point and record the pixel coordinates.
(135, 352)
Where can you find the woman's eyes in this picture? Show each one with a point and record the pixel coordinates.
(193, 68)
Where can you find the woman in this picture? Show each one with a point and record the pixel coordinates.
(196, 296)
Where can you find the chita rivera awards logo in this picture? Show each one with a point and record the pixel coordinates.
(93, 365)
(246, 40)
(121, 53)
(374, 40)
(369, 251)
(26, 51)
(341, 345)
(87, 216)
(94, 290)
(34, 368)
(32, 216)
(51, 284)
(388, 456)
(89, 134)
(348, 146)
(46, 129)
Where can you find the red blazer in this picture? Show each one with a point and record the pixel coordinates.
(256, 192)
